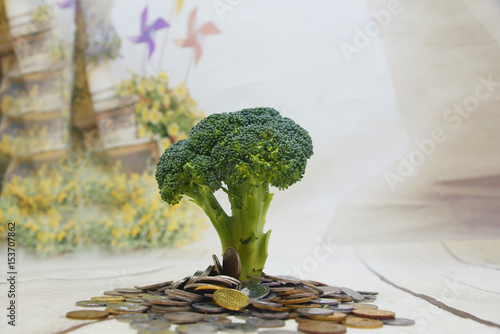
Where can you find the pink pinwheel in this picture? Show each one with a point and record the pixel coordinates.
(147, 32)
(194, 35)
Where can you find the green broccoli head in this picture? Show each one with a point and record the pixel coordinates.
(243, 153)
(251, 145)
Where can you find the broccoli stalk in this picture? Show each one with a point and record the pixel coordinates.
(242, 153)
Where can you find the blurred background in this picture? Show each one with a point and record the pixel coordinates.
(401, 98)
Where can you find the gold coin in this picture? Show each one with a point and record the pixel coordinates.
(231, 299)
(374, 314)
(109, 299)
(356, 322)
(87, 315)
(336, 316)
(210, 287)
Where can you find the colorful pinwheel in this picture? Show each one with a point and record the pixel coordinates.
(194, 35)
(66, 4)
(146, 35)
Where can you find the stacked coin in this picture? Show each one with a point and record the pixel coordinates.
(204, 301)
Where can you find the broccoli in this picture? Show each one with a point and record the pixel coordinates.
(243, 153)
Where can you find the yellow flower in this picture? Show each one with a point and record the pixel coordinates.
(173, 129)
(145, 114)
(154, 116)
(161, 89)
(141, 131)
(163, 76)
(141, 90)
(166, 102)
(180, 90)
(172, 225)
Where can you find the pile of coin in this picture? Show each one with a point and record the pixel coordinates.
(207, 301)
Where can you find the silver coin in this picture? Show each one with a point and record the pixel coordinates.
(150, 324)
(91, 303)
(314, 311)
(183, 317)
(256, 291)
(130, 308)
(265, 323)
(325, 301)
(398, 322)
(356, 296)
(131, 317)
(271, 315)
(238, 328)
(197, 328)
(278, 331)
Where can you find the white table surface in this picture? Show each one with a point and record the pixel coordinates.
(449, 287)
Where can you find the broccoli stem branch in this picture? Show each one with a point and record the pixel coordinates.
(244, 229)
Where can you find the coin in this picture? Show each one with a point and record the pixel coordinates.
(208, 308)
(90, 303)
(165, 300)
(308, 311)
(112, 293)
(325, 301)
(374, 314)
(183, 317)
(271, 315)
(150, 324)
(342, 308)
(217, 265)
(265, 323)
(197, 328)
(87, 315)
(128, 290)
(268, 305)
(129, 307)
(321, 328)
(327, 289)
(363, 306)
(336, 316)
(231, 263)
(356, 296)
(238, 327)
(398, 322)
(130, 317)
(296, 300)
(170, 309)
(256, 291)
(231, 299)
(156, 331)
(154, 286)
(109, 299)
(356, 322)
(278, 331)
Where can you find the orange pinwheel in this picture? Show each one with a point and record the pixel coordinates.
(195, 36)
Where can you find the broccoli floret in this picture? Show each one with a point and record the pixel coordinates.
(243, 153)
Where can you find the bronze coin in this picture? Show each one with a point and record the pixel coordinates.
(268, 305)
(231, 263)
(374, 314)
(321, 328)
(87, 315)
(128, 290)
(296, 301)
(357, 322)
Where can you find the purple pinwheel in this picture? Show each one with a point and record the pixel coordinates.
(66, 4)
(147, 31)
